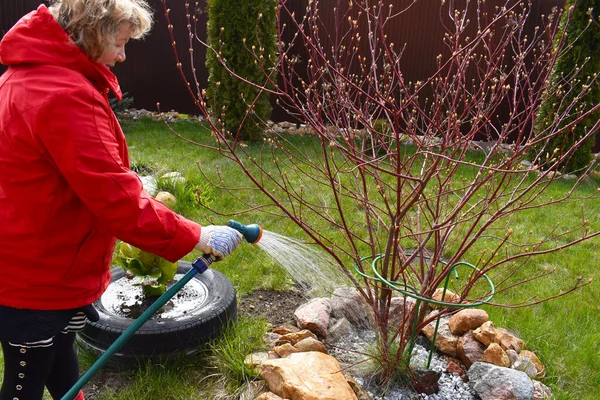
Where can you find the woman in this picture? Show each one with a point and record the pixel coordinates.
(66, 190)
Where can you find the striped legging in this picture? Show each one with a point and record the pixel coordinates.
(50, 363)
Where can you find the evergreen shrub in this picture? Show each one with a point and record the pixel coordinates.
(583, 35)
(244, 35)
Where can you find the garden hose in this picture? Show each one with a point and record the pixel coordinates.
(252, 233)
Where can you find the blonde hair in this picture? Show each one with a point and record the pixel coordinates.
(94, 24)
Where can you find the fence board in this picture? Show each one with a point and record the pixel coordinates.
(150, 74)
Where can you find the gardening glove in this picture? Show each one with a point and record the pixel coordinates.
(219, 241)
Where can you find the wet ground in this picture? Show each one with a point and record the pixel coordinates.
(277, 307)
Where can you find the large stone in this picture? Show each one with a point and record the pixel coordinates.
(400, 306)
(509, 341)
(445, 341)
(486, 333)
(496, 355)
(469, 349)
(347, 302)
(491, 382)
(314, 316)
(466, 320)
(307, 376)
(339, 330)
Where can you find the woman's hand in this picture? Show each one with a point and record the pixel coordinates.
(219, 241)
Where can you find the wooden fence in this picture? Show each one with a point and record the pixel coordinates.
(150, 75)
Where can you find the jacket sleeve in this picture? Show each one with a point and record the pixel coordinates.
(79, 135)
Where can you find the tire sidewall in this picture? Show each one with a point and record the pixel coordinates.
(166, 336)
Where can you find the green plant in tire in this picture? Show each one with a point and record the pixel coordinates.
(148, 270)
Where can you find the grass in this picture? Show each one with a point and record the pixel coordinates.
(562, 332)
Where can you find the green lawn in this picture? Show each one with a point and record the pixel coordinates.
(563, 332)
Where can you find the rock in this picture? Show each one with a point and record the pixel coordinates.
(307, 376)
(509, 341)
(340, 329)
(491, 382)
(445, 341)
(469, 349)
(449, 297)
(285, 329)
(347, 302)
(310, 344)
(426, 381)
(454, 368)
(466, 320)
(526, 365)
(150, 185)
(513, 356)
(541, 391)
(495, 354)
(314, 316)
(166, 198)
(399, 307)
(271, 337)
(486, 333)
(285, 350)
(295, 337)
(541, 370)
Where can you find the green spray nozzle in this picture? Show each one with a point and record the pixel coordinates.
(252, 233)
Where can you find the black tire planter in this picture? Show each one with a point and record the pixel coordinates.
(160, 338)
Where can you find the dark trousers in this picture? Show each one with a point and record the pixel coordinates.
(28, 370)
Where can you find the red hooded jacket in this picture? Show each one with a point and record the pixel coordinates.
(66, 190)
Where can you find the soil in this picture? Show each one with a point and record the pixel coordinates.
(277, 307)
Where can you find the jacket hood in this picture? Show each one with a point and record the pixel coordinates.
(38, 39)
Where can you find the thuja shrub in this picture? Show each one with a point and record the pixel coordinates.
(582, 42)
(242, 35)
